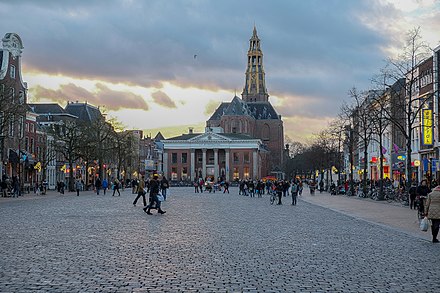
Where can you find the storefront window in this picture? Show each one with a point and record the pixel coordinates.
(236, 173)
(184, 173)
(246, 172)
(174, 173)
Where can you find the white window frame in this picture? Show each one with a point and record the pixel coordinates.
(11, 126)
(21, 126)
(12, 71)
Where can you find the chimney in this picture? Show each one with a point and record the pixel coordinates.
(190, 130)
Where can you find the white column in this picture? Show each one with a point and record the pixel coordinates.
(228, 172)
(216, 169)
(193, 165)
(255, 164)
(204, 164)
(165, 164)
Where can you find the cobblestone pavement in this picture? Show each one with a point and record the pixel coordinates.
(392, 214)
(204, 243)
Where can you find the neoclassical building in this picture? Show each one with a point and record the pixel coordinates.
(213, 154)
(243, 138)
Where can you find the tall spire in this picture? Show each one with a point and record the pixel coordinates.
(255, 85)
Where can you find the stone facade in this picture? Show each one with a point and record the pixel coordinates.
(217, 156)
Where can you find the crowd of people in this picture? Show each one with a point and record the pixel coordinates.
(424, 197)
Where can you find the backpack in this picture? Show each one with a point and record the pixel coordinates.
(294, 188)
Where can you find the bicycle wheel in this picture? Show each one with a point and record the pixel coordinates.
(390, 197)
(272, 199)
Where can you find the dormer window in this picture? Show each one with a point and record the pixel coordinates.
(12, 72)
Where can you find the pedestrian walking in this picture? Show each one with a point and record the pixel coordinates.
(279, 190)
(134, 185)
(37, 188)
(423, 189)
(300, 188)
(16, 186)
(78, 186)
(116, 187)
(286, 186)
(4, 187)
(412, 196)
(226, 187)
(154, 201)
(98, 185)
(164, 185)
(432, 211)
(141, 192)
(104, 185)
(196, 186)
(61, 187)
(294, 192)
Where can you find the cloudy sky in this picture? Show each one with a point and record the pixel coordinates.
(136, 59)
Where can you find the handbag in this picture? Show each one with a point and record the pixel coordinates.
(160, 197)
(424, 224)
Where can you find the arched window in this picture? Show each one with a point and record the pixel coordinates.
(266, 132)
(233, 126)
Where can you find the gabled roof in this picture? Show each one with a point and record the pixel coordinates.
(84, 111)
(50, 108)
(262, 110)
(237, 107)
(159, 137)
(220, 110)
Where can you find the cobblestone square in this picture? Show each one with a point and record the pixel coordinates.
(210, 242)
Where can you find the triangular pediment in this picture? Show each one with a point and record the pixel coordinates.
(209, 136)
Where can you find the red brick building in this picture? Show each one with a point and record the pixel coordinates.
(253, 114)
(244, 138)
(13, 98)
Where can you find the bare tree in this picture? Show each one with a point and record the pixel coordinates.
(359, 116)
(67, 141)
(96, 138)
(380, 105)
(121, 150)
(405, 65)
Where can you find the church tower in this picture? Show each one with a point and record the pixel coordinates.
(255, 85)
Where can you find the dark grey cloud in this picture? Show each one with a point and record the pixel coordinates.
(103, 96)
(163, 99)
(312, 48)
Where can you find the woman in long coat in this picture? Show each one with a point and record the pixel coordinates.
(432, 211)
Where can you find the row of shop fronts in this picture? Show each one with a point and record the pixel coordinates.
(424, 166)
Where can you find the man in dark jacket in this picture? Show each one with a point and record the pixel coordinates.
(279, 190)
(154, 191)
(163, 187)
(97, 185)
